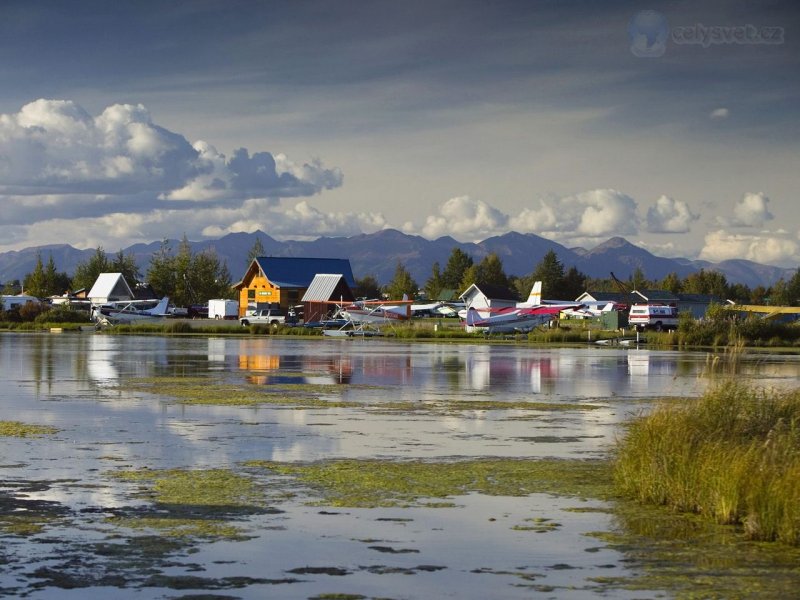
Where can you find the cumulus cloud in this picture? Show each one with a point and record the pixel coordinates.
(719, 113)
(752, 211)
(588, 215)
(669, 216)
(298, 222)
(764, 248)
(591, 214)
(56, 147)
(465, 218)
(119, 229)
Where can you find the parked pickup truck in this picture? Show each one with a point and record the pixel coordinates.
(270, 316)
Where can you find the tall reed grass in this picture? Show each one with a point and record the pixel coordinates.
(732, 455)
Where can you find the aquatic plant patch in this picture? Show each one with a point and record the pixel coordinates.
(378, 483)
(18, 429)
(207, 391)
(692, 557)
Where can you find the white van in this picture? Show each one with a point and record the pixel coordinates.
(653, 316)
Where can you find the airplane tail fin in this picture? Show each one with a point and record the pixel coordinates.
(472, 316)
(536, 293)
(161, 307)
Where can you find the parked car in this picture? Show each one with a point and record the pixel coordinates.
(270, 316)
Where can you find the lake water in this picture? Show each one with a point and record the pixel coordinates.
(76, 383)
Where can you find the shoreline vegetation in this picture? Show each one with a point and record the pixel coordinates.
(731, 456)
(719, 331)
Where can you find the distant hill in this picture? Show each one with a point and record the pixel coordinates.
(379, 253)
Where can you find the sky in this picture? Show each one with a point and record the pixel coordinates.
(672, 124)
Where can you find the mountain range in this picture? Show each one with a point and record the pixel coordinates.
(378, 254)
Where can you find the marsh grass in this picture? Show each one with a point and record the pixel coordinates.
(202, 390)
(381, 483)
(732, 455)
(18, 429)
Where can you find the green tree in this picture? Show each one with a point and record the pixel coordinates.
(638, 280)
(401, 284)
(367, 287)
(793, 289)
(35, 283)
(779, 293)
(454, 270)
(706, 282)
(435, 284)
(208, 278)
(86, 273)
(183, 293)
(470, 277)
(160, 274)
(672, 283)
(490, 271)
(573, 284)
(549, 271)
(256, 251)
(126, 264)
(739, 293)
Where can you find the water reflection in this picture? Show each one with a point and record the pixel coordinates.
(72, 381)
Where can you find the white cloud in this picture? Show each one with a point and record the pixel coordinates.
(588, 215)
(592, 214)
(56, 147)
(720, 113)
(299, 222)
(752, 210)
(119, 230)
(465, 218)
(764, 248)
(669, 216)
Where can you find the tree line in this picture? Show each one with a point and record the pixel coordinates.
(190, 278)
(562, 283)
(186, 277)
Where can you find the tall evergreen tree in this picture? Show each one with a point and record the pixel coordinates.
(549, 271)
(470, 276)
(35, 283)
(86, 273)
(126, 264)
(573, 284)
(435, 283)
(367, 287)
(490, 271)
(454, 270)
(256, 251)
(401, 284)
(161, 274)
(793, 289)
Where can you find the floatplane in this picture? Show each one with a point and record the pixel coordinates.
(361, 317)
(131, 311)
(521, 318)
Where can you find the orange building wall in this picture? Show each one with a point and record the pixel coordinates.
(264, 292)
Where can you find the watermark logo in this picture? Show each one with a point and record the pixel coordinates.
(649, 34)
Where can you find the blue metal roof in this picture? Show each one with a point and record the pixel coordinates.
(300, 272)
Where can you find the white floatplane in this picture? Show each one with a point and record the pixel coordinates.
(522, 318)
(377, 311)
(132, 311)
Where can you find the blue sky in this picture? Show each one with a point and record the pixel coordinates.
(123, 122)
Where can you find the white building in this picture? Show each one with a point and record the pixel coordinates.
(110, 287)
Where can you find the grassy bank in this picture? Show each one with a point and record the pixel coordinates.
(732, 456)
